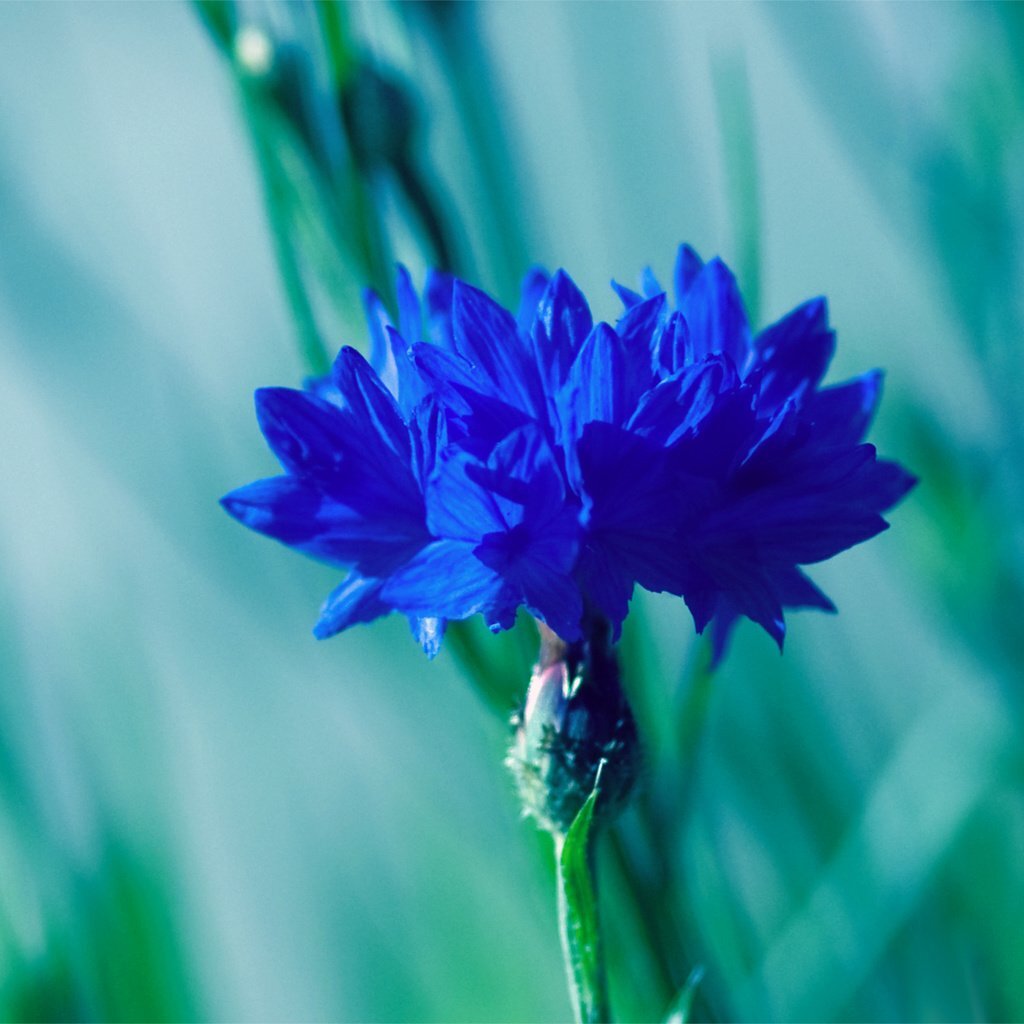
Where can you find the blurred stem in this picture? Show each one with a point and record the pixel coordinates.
(472, 84)
(417, 191)
(219, 18)
(739, 155)
(368, 234)
(333, 17)
(279, 200)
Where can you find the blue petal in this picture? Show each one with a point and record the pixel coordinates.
(704, 408)
(519, 483)
(325, 388)
(428, 429)
(448, 375)
(306, 433)
(790, 587)
(640, 329)
(628, 297)
(459, 507)
(446, 580)
(563, 323)
(345, 454)
(598, 381)
(747, 591)
(522, 467)
(511, 514)
(486, 336)
(607, 586)
(721, 632)
(714, 313)
(703, 600)
(477, 416)
(788, 528)
(410, 315)
(795, 590)
(411, 388)
(673, 347)
(429, 632)
(356, 600)
(649, 284)
(298, 514)
(437, 298)
(687, 270)
(552, 597)
(631, 506)
(283, 507)
(793, 354)
(535, 567)
(530, 293)
(841, 414)
(369, 403)
(889, 484)
(382, 359)
(772, 444)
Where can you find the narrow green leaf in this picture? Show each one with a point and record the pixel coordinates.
(577, 912)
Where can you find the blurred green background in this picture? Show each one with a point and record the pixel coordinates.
(204, 814)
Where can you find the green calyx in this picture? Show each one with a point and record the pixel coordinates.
(575, 718)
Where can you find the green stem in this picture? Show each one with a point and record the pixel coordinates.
(581, 945)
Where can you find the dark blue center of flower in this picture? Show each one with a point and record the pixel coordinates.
(503, 548)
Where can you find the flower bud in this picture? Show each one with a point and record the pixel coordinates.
(576, 717)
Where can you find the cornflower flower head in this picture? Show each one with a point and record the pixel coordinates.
(482, 461)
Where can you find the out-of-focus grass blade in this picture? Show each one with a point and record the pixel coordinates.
(455, 34)
(327, 239)
(832, 47)
(127, 944)
(337, 38)
(739, 149)
(219, 18)
(682, 1010)
(878, 874)
(968, 539)
(118, 956)
(279, 202)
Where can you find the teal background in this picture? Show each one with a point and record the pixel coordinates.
(204, 814)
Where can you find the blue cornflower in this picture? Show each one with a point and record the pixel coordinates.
(482, 461)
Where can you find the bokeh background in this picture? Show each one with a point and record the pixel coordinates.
(204, 814)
